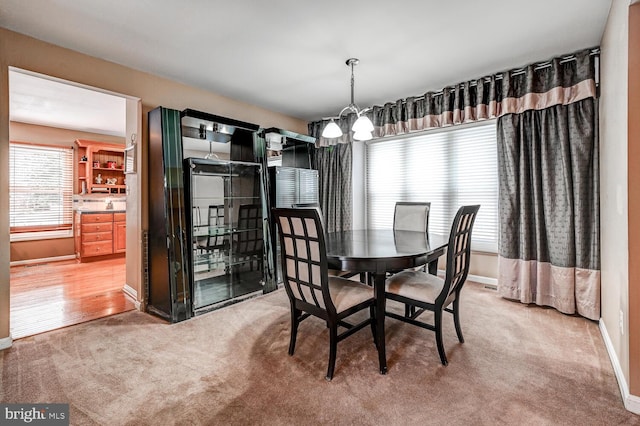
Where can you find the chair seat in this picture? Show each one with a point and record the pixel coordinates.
(416, 285)
(348, 293)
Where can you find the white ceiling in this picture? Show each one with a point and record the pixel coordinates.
(50, 102)
(289, 55)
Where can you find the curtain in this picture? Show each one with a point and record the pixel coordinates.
(562, 80)
(549, 250)
(334, 174)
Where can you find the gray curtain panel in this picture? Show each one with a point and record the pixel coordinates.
(334, 174)
(549, 250)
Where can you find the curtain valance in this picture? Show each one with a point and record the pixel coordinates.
(559, 81)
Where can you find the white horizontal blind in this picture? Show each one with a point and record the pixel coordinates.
(448, 168)
(40, 187)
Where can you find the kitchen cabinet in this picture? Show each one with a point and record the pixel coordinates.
(99, 234)
(119, 233)
(100, 167)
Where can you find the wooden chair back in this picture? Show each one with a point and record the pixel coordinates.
(458, 253)
(304, 259)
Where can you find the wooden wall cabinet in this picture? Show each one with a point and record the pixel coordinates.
(100, 167)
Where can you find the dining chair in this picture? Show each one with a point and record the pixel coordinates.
(215, 218)
(428, 292)
(411, 216)
(216, 243)
(249, 243)
(311, 290)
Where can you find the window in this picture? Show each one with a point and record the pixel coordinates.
(448, 168)
(40, 188)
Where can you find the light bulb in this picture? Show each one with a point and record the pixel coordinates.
(362, 136)
(362, 124)
(332, 130)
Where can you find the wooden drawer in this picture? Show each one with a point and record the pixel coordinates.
(96, 227)
(119, 217)
(97, 248)
(90, 237)
(96, 217)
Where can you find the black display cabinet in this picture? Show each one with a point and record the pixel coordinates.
(178, 255)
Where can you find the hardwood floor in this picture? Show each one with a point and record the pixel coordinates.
(48, 296)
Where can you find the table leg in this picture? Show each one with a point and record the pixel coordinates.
(433, 267)
(380, 278)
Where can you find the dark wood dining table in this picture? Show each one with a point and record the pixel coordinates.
(378, 251)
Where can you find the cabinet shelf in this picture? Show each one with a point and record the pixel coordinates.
(111, 169)
(99, 153)
(101, 185)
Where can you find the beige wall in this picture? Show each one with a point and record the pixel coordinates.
(633, 138)
(22, 132)
(619, 180)
(613, 177)
(30, 54)
(484, 265)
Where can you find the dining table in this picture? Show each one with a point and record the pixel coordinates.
(377, 252)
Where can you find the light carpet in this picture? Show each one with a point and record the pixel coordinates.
(519, 365)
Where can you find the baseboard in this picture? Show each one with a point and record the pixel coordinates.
(6, 342)
(132, 293)
(42, 260)
(492, 282)
(631, 402)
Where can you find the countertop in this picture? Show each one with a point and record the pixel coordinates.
(81, 211)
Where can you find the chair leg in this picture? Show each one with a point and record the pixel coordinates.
(456, 319)
(438, 327)
(409, 310)
(333, 346)
(295, 315)
(372, 312)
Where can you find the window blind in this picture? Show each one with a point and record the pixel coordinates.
(40, 187)
(449, 168)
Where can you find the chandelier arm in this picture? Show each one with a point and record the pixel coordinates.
(352, 108)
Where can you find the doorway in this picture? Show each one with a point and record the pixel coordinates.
(49, 287)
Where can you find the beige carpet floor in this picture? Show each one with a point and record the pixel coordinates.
(519, 365)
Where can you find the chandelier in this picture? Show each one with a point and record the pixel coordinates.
(362, 128)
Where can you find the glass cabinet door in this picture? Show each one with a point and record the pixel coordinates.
(247, 244)
(227, 231)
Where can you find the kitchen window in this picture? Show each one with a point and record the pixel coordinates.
(40, 191)
(449, 168)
